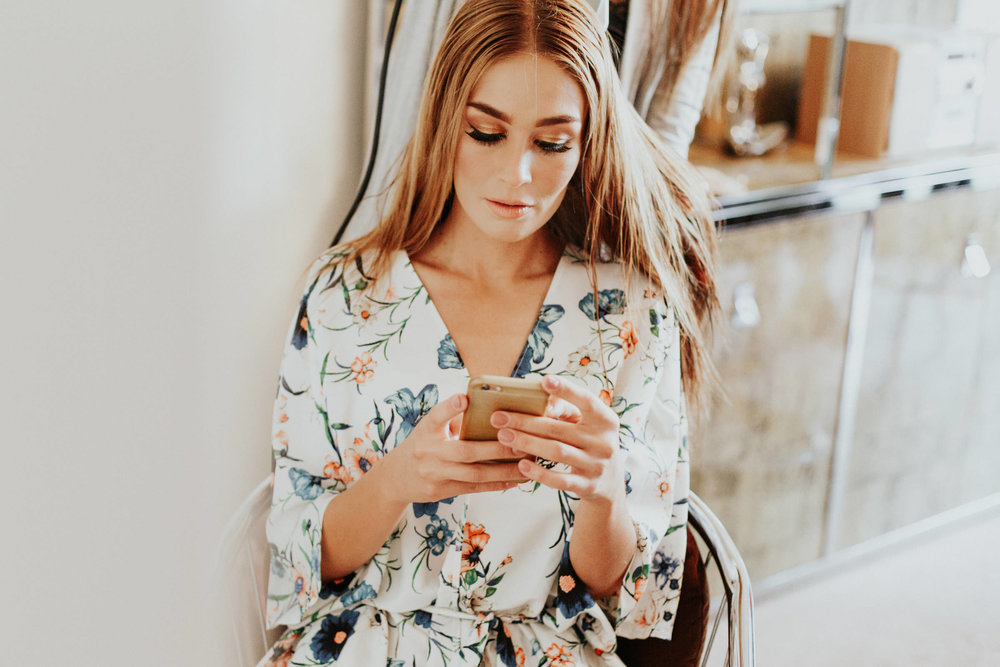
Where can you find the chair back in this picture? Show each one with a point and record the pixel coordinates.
(241, 571)
(736, 602)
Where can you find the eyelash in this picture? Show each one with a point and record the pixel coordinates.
(490, 139)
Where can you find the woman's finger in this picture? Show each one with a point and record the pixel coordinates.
(551, 450)
(440, 417)
(563, 410)
(481, 473)
(472, 451)
(577, 435)
(563, 481)
(590, 406)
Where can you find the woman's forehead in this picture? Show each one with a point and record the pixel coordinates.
(528, 88)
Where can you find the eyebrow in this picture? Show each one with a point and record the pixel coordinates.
(500, 115)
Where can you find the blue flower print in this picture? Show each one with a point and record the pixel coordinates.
(429, 509)
(505, 647)
(663, 569)
(538, 340)
(448, 356)
(411, 409)
(357, 594)
(571, 594)
(655, 319)
(438, 535)
(335, 587)
(306, 486)
(609, 302)
(327, 644)
(300, 335)
(423, 618)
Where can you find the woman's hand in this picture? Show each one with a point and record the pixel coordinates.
(577, 430)
(432, 463)
(581, 432)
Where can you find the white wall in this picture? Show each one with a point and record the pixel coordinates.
(167, 170)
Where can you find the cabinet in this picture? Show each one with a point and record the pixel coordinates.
(762, 459)
(926, 436)
(866, 395)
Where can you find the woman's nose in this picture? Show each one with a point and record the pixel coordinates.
(516, 168)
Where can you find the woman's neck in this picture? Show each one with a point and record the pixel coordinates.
(467, 252)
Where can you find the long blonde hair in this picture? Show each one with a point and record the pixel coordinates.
(631, 197)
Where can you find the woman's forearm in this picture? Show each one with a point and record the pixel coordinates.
(602, 544)
(357, 523)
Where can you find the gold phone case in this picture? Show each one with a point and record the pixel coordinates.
(489, 393)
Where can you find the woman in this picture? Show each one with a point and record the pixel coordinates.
(537, 230)
(674, 52)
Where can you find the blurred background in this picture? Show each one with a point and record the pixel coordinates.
(168, 170)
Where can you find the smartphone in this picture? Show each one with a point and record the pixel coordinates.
(489, 393)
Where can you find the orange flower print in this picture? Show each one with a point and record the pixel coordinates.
(559, 656)
(566, 583)
(338, 472)
(629, 337)
(606, 397)
(473, 544)
(362, 462)
(283, 650)
(662, 487)
(519, 656)
(281, 439)
(648, 618)
(283, 418)
(363, 368)
(640, 587)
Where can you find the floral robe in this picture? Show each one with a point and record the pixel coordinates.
(483, 578)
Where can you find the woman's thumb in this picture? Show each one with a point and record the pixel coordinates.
(446, 410)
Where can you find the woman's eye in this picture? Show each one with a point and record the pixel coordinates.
(550, 147)
(497, 137)
(484, 138)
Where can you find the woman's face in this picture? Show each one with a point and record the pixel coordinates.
(519, 149)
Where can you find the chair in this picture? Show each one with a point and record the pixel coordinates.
(241, 572)
(710, 550)
(244, 562)
(737, 597)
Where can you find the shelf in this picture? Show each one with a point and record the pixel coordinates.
(787, 183)
(788, 6)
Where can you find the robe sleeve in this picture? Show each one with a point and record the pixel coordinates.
(657, 483)
(675, 116)
(308, 471)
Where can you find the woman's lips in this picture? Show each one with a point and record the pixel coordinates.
(509, 210)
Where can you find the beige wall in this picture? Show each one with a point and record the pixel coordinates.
(166, 172)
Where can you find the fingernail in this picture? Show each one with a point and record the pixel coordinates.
(499, 419)
(456, 401)
(524, 466)
(552, 381)
(506, 435)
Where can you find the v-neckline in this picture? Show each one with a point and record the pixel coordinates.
(549, 292)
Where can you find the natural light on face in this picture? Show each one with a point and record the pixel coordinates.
(519, 148)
